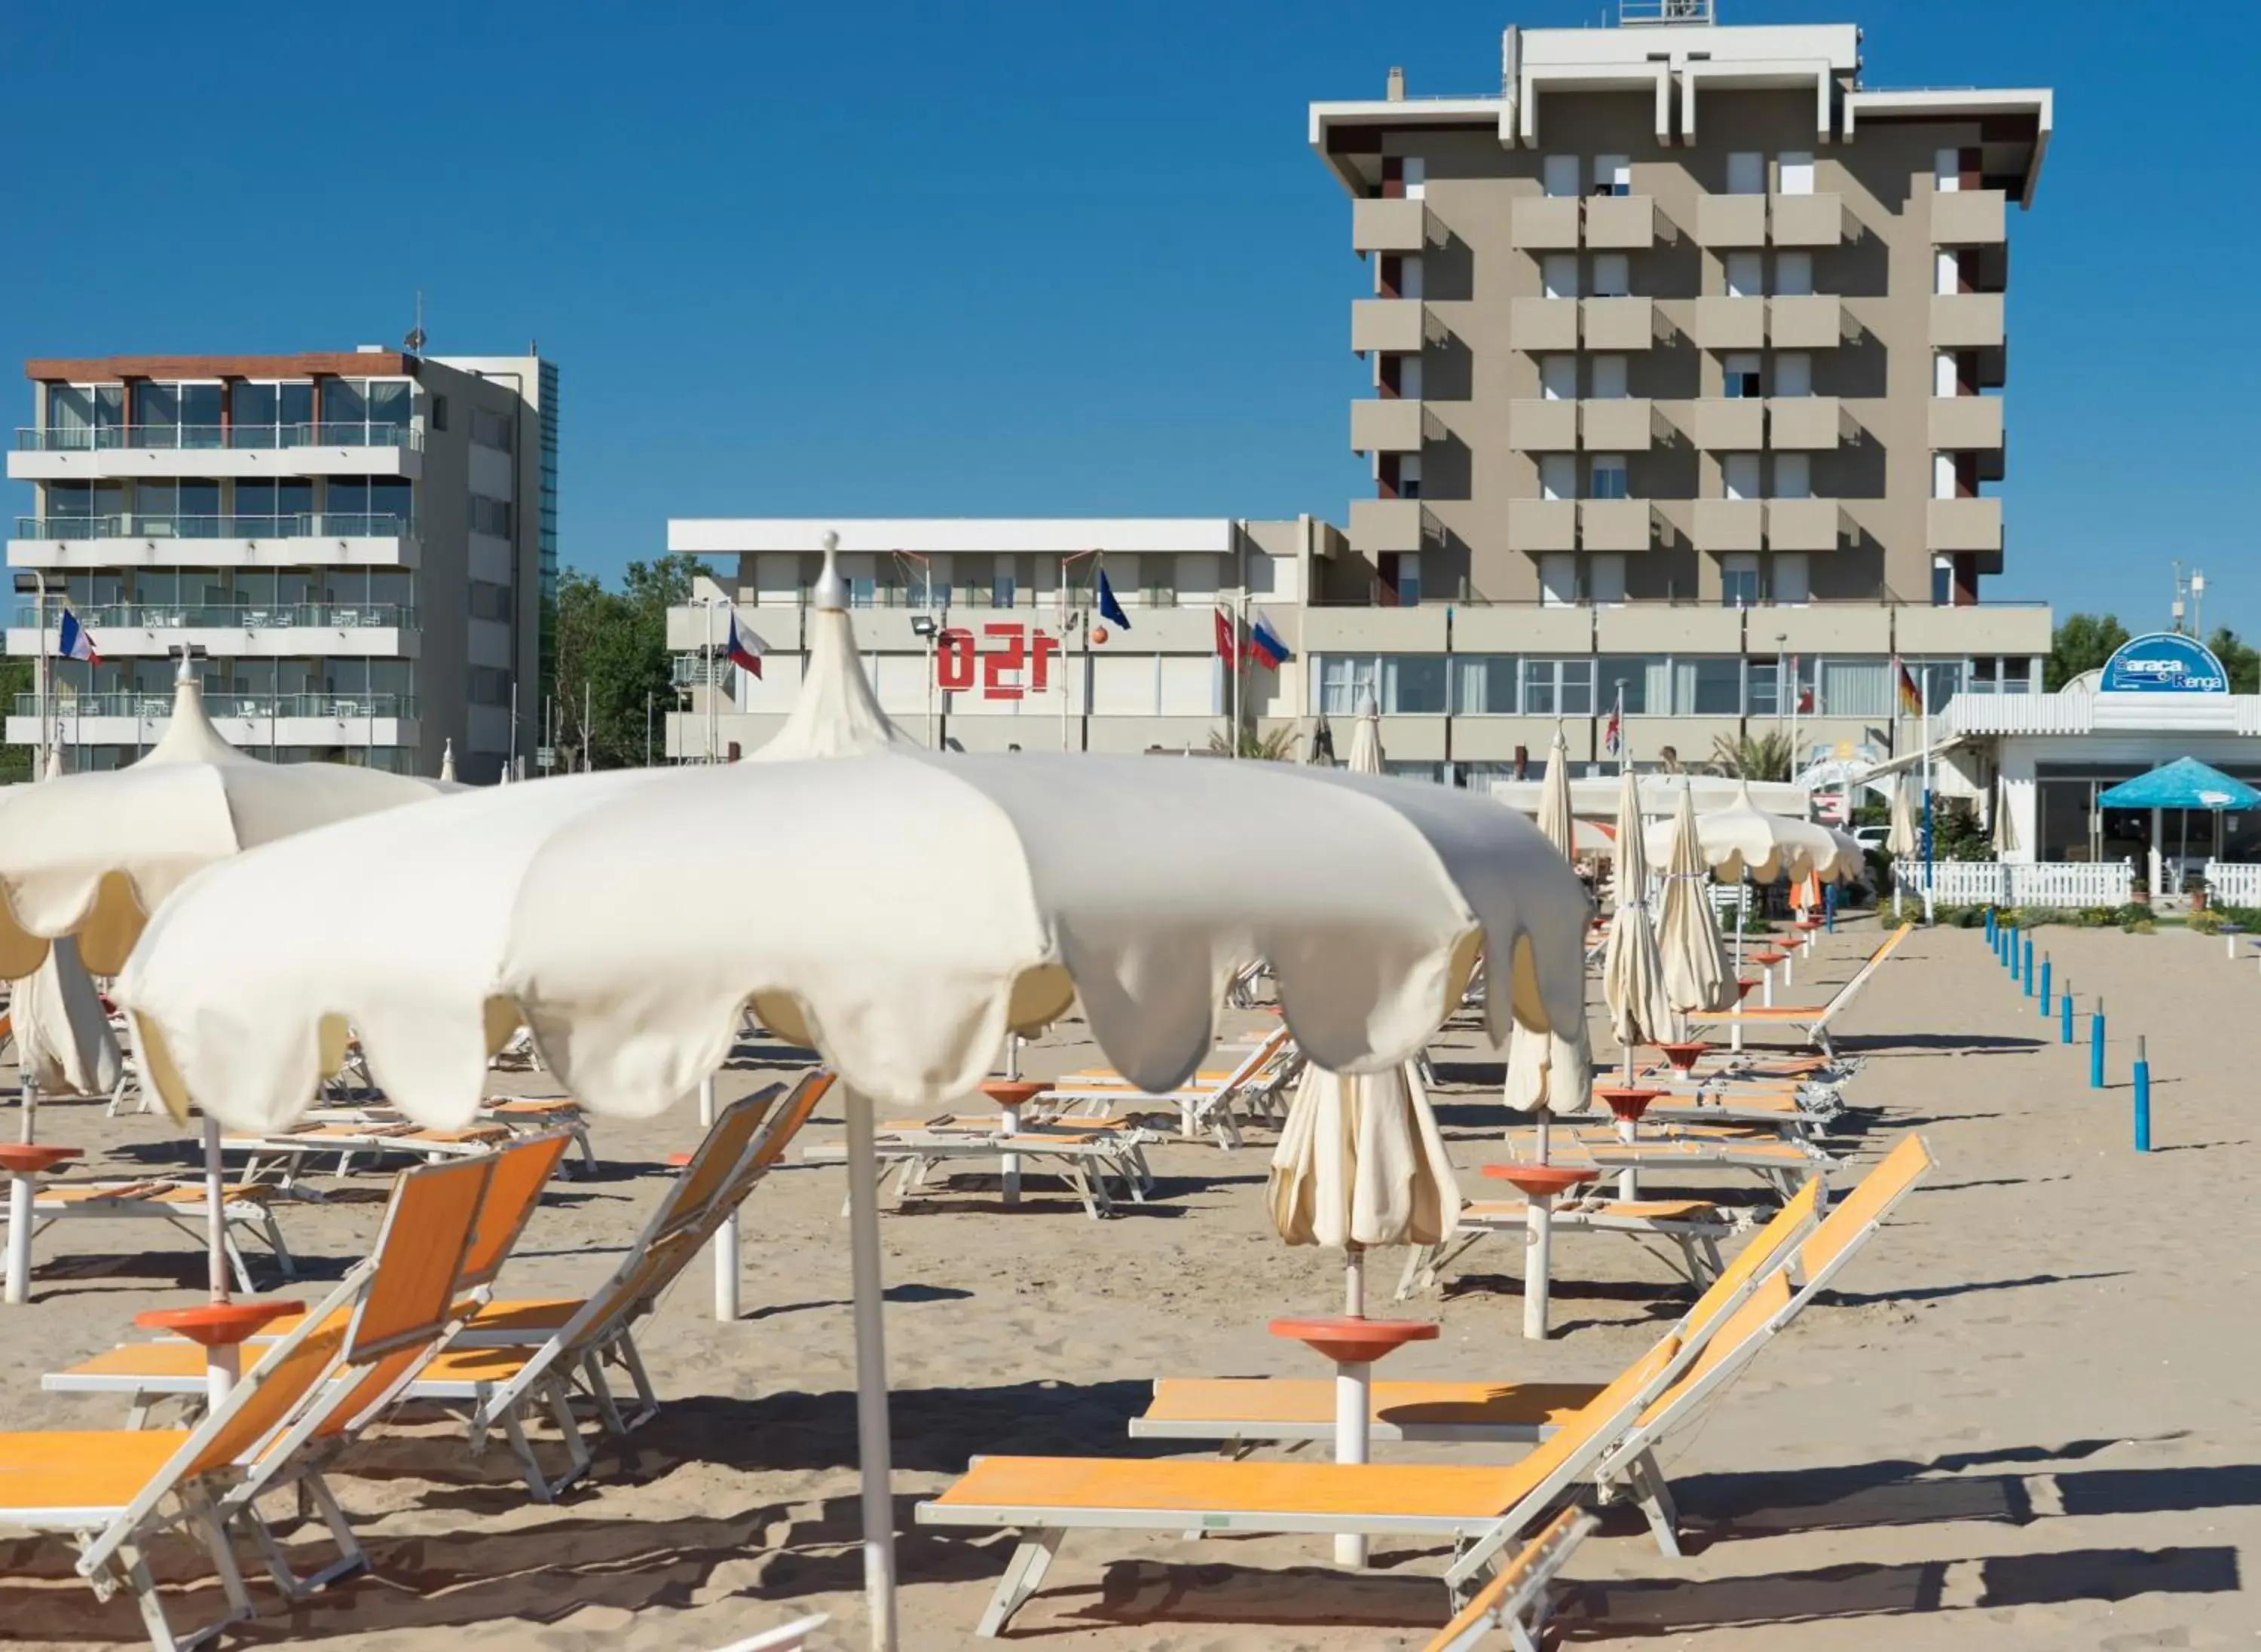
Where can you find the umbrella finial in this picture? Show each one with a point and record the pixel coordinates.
(831, 590)
(448, 760)
(186, 670)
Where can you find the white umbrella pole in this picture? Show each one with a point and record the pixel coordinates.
(215, 1212)
(871, 1374)
(31, 1097)
(726, 1236)
(1539, 1211)
(1354, 1282)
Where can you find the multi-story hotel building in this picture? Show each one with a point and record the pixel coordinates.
(1687, 349)
(363, 544)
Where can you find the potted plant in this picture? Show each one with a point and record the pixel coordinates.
(2194, 887)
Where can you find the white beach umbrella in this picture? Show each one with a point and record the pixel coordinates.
(63, 1043)
(1552, 1072)
(1361, 1163)
(899, 910)
(1365, 739)
(1743, 838)
(836, 714)
(1904, 842)
(90, 856)
(2005, 829)
(1633, 972)
(1696, 972)
(1555, 821)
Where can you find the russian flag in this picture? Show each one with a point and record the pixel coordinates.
(745, 651)
(75, 643)
(1264, 644)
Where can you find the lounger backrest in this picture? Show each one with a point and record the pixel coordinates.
(419, 1254)
(1768, 1248)
(521, 1170)
(1845, 993)
(718, 1155)
(1593, 1428)
(1728, 1348)
(790, 1117)
(1517, 1584)
(1847, 1227)
(276, 1391)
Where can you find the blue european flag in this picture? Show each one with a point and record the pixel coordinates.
(1110, 609)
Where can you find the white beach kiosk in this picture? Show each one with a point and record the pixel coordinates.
(2040, 767)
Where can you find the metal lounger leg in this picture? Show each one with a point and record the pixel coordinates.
(129, 1562)
(235, 1256)
(513, 1428)
(608, 1411)
(1648, 1484)
(632, 1362)
(577, 1448)
(284, 1261)
(1023, 1573)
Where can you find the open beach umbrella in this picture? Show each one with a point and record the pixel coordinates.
(1633, 972)
(1696, 972)
(91, 856)
(1744, 837)
(914, 908)
(63, 1042)
(1551, 1071)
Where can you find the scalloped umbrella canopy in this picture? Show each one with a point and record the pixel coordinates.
(1742, 837)
(63, 1040)
(91, 855)
(1633, 971)
(1695, 971)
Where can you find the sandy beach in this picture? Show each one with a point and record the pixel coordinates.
(2022, 1421)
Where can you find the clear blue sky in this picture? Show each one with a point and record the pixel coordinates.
(1024, 256)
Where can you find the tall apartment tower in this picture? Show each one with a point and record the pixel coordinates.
(358, 548)
(1684, 314)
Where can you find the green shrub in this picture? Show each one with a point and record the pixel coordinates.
(2139, 926)
(1955, 916)
(2207, 922)
(2245, 917)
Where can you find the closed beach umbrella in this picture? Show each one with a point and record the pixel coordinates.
(1903, 842)
(63, 1043)
(1633, 972)
(917, 907)
(1365, 739)
(2006, 831)
(1361, 1163)
(91, 856)
(1696, 972)
(1555, 821)
(1552, 1072)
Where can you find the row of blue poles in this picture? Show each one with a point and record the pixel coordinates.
(2014, 952)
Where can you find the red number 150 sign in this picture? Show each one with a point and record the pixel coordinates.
(1010, 649)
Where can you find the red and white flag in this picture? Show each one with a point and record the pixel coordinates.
(1227, 649)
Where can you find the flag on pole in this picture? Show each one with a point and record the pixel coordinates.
(1225, 650)
(745, 651)
(1911, 698)
(1110, 609)
(1264, 644)
(1613, 731)
(75, 643)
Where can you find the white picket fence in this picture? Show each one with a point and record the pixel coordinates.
(2234, 882)
(2013, 883)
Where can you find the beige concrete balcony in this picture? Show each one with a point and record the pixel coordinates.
(1806, 322)
(1384, 525)
(1726, 525)
(1804, 423)
(1731, 220)
(1966, 320)
(1385, 425)
(1967, 218)
(1616, 525)
(1730, 323)
(1620, 221)
(1392, 226)
(1972, 524)
(1542, 524)
(1964, 424)
(1808, 220)
(1542, 426)
(1617, 424)
(1619, 323)
(1543, 223)
(1723, 424)
(1543, 323)
(1388, 325)
(1803, 524)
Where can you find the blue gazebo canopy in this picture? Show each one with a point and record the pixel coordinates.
(2185, 783)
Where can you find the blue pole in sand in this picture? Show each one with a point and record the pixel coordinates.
(2045, 984)
(2064, 1032)
(2027, 973)
(2013, 942)
(2096, 1047)
(2142, 1099)
(1993, 939)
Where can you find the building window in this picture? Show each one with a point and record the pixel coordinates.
(490, 516)
(1738, 580)
(1761, 680)
(2002, 674)
(1606, 577)
(1484, 685)
(491, 429)
(1558, 580)
(1793, 275)
(1558, 687)
(1558, 377)
(1404, 685)
(1409, 475)
(485, 686)
(1745, 173)
(438, 413)
(1414, 173)
(1708, 687)
(1609, 374)
(1560, 273)
(1612, 175)
(1796, 166)
(1558, 476)
(1793, 373)
(1740, 380)
(1942, 581)
(1559, 175)
(1644, 682)
(1739, 475)
(491, 601)
(1400, 572)
(1793, 476)
(1792, 582)
(1609, 477)
(1746, 275)
(1612, 276)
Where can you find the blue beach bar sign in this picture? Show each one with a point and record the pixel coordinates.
(2163, 662)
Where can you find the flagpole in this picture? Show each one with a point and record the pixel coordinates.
(1929, 836)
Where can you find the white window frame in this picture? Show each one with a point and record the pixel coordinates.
(1601, 464)
(1415, 171)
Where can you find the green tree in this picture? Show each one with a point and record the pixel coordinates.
(15, 678)
(2240, 660)
(613, 660)
(2083, 642)
(1752, 756)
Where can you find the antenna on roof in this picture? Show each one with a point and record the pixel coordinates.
(414, 343)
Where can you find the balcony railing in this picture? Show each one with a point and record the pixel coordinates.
(329, 432)
(291, 525)
(237, 616)
(155, 709)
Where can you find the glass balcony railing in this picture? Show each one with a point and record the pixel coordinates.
(233, 616)
(155, 707)
(295, 525)
(330, 433)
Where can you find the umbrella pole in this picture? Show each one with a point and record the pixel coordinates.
(1539, 1211)
(31, 1094)
(1354, 1282)
(1544, 1113)
(726, 1236)
(871, 1374)
(215, 1211)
